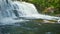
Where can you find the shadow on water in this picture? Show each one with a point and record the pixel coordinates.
(30, 28)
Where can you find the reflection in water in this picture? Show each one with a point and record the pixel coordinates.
(48, 32)
(30, 28)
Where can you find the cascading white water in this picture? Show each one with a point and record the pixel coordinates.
(14, 9)
(6, 9)
(28, 11)
(7, 12)
(25, 9)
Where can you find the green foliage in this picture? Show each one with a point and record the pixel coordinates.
(42, 4)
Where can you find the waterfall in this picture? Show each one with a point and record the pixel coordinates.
(28, 11)
(6, 9)
(8, 12)
(15, 9)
